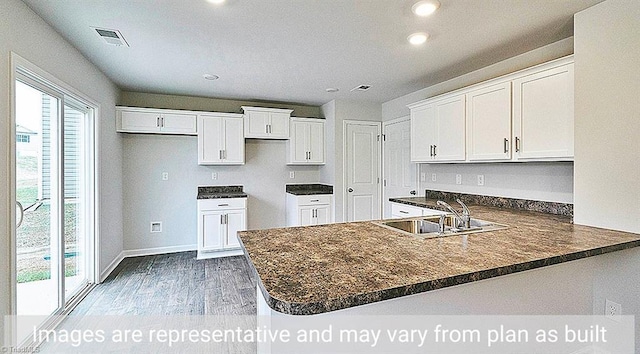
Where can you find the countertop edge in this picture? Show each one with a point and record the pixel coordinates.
(315, 308)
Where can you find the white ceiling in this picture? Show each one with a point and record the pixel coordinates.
(292, 50)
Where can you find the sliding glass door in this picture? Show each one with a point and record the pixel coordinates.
(54, 189)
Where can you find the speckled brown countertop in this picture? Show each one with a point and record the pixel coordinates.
(316, 269)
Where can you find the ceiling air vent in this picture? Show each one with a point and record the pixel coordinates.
(113, 37)
(361, 88)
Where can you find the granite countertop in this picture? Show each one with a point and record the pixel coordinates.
(308, 189)
(316, 269)
(217, 192)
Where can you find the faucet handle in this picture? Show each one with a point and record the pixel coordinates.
(465, 210)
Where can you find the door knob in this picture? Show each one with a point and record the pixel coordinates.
(350, 190)
(412, 192)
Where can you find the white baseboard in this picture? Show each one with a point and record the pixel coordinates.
(143, 252)
(105, 273)
(158, 250)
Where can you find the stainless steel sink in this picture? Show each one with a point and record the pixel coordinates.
(427, 226)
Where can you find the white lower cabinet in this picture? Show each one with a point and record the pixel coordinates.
(219, 221)
(305, 210)
(399, 210)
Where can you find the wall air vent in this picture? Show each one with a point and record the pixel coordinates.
(113, 37)
(361, 88)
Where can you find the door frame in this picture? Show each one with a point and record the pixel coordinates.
(19, 64)
(416, 178)
(345, 204)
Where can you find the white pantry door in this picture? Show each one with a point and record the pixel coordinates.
(362, 170)
(399, 176)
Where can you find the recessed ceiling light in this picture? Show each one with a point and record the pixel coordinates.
(418, 38)
(216, 2)
(211, 77)
(425, 8)
(332, 89)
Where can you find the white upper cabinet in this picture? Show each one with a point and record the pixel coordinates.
(438, 130)
(489, 123)
(306, 144)
(523, 116)
(156, 121)
(266, 123)
(220, 139)
(543, 113)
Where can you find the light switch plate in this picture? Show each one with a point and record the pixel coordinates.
(433, 177)
(292, 174)
(165, 176)
(481, 180)
(214, 175)
(458, 179)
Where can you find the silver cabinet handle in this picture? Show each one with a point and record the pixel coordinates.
(19, 205)
(435, 153)
(220, 154)
(221, 219)
(517, 144)
(431, 150)
(404, 212)
(158, 122)
(266, 129)
(315, 200)
(506, 145)
(223, 204)
(162, 121)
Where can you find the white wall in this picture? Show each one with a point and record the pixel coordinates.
(336, 112)
(26, 34)
(607, 109)
(537, 181)
(148, 198)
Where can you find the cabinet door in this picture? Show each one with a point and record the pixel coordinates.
(235, 221)
(450, 145)
(323, 214)
(213, 230)
(210, 143)
(255, 124)
(178, 123)
(316, 142)
(489, 123)
(279, 125)
(543, 114)
(298, 143)
(140, 122)
(305, 215)
(423, 130)
(233, 141)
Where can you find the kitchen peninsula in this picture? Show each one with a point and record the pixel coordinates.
(540, 264)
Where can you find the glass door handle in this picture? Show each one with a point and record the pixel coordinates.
(21, 209)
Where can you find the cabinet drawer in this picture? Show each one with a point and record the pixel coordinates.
(222, 203)
(405, 210)
(314, 199)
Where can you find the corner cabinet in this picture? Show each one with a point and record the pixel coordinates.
(438, 129)
(306, 144)
(155, 121)
(266, 123)
(306, 210)
(220, 139)
(543, 116)
(219, 221)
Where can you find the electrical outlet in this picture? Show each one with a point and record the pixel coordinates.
(292, 174)
(423, 177)
(165, 176)
(156, 226)
(612, 310)
(214, 175)
(458, 179)
(433, 177)
(481, 180)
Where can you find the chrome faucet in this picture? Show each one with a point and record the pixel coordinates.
(464, 220)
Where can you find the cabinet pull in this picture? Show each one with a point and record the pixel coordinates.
(315, 200)
(506, 145)
(158, 122)
(223, 204)
(162, 122)
(517, 144)
(435, 153)
(220, 154)
(221, 219)
(266, 129)
(404, 212)
(431, 150)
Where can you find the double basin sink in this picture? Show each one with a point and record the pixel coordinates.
(429, 226)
